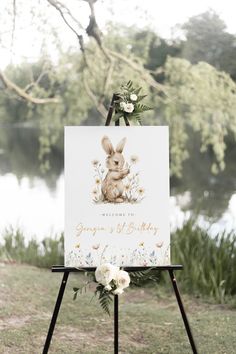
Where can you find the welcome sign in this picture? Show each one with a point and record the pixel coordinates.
(116, 196)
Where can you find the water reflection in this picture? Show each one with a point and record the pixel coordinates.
(208, 194)
(35, 201)
(32, 206)
(19, 151)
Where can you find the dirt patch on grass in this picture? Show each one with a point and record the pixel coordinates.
(14, 322)
(89, 337)
(21, 321)
(137, 296)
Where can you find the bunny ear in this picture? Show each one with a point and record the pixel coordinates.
(107, 145)
(120, 145)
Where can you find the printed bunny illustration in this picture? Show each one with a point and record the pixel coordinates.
(112, 185)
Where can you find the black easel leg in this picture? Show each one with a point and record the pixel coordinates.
(183, 313)
(55, 312)
(116, 324)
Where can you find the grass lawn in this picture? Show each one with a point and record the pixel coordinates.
(150, 321)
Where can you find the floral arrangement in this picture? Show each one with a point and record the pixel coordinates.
(110, 280)
(128, 104)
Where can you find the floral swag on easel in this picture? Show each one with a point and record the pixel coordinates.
(111, 280)
(127, 104)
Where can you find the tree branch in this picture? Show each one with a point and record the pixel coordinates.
(143, 72)
(107, 80)
(99, 105)
(93, 30)
(23, 94)
(59, 7)
(36, 82)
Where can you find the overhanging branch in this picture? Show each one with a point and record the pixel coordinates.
(99, 105)
(22, 93)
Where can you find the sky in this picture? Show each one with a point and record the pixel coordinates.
(161, 17)
(164, 15)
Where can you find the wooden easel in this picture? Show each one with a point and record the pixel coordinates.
(67, 270)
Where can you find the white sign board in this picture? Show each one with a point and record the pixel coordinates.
(116, 196)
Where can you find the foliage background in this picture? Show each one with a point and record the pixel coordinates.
(189, 79)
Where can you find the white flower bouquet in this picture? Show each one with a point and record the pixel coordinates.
(128, 104)
(111, 280)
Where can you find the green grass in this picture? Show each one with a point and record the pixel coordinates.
(150, 321)
(209, 263)
(41, 254)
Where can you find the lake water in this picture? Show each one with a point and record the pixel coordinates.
(35, 202)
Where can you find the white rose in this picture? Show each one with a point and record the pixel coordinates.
(108, 287)
(105, 273)
(133, 97)
(122, 105)
(122, 279)
(118, 291)
(129, 107)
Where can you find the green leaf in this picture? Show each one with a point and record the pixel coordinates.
(129, 84)
(137, 91)
(76, 290)
(142, 108)
(140, 277)
(138, 119)
(105, 299)
(117, 116)
(140, 98)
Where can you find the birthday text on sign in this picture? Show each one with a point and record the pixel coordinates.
(125, 228)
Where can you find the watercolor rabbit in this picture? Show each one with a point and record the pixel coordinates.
(112, 185)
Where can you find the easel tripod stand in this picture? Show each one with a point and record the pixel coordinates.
(67, 270)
